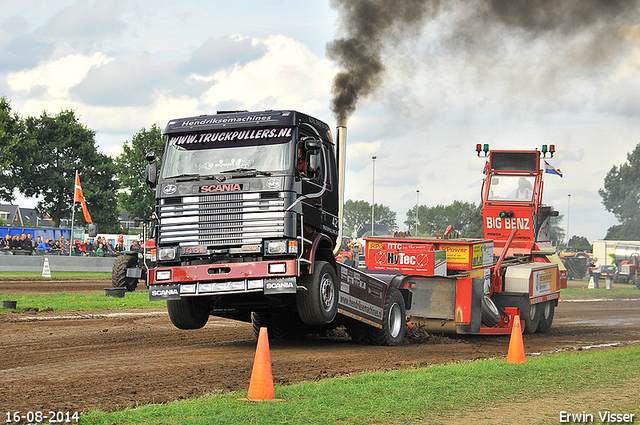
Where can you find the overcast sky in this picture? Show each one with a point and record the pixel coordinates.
(466, 72)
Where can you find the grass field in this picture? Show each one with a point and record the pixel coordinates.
(55, 276)
(71, 302)
(425, 395)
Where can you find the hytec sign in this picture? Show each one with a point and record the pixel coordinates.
(428, 257)
(406, 257)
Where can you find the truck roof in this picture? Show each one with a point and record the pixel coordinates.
(243, 119)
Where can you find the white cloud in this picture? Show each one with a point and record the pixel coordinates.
(56, 76)
(288, 76)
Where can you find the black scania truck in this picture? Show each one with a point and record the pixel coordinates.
(247, 219)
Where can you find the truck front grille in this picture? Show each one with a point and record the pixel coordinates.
(221, 219)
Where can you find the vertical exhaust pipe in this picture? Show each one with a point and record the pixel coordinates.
(341, 153)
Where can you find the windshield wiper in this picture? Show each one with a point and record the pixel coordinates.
(248, 171)
(185, 177)
(195, 176)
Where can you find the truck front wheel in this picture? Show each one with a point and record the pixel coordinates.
(317, 302)
(394, 321)
(188, 312)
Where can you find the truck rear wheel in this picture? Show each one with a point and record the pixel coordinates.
(394, 321)
(119, 277)
(547, 310)
(532, 319)
(260, 319)
(358, 331)
(318, 304)
(490, 313)
(188, 312)
(281, 325)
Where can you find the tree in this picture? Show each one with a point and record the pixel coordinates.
(621, 196)
(359, 212)
(465, 217)
(579, 243)
(136, 198)
(12, 134)
(55, 147)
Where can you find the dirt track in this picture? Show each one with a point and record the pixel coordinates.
(105, 359)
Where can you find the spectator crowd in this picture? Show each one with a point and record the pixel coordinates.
(26, 245)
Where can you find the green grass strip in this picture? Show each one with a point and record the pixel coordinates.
(619, 291)
(399, 396)
(55, 275)
(65, 301)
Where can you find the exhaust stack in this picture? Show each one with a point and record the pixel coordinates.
(341, 153)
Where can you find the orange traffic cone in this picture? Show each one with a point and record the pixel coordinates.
(261, 385)
(516, 346)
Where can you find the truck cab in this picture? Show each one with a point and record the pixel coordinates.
(247, 207)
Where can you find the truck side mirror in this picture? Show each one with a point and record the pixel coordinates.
(151, 170)
(312, 145)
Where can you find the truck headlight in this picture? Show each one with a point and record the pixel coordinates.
(167, 254)
(280, 247)
(276, 247)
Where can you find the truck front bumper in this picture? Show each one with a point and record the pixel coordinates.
(270, 277)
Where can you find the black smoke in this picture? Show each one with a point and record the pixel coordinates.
(368, 26)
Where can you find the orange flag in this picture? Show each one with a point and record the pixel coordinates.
(79, 197)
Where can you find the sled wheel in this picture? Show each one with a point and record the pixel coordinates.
(188, 312)
(490, 313)
(532, 319)
(394, 321)
(318, 303)
(119, 277)
(547, 310)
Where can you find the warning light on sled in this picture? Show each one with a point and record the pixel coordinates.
(551, 150)
(482, 148)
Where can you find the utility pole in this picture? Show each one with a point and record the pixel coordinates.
(373, 194)
(568, 216)
(417, 206)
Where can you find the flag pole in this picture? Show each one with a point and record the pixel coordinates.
(73, 210)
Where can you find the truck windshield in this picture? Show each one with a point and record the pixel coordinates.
(511, 188)
(264, 150)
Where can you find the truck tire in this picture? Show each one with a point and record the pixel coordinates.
(547, 310)
(490, 313)
(394, 321)
(280, 324)
(318, 304)
(188, 312)
(119, 277)
(260, 319)
(358, 331)
(532, 318)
